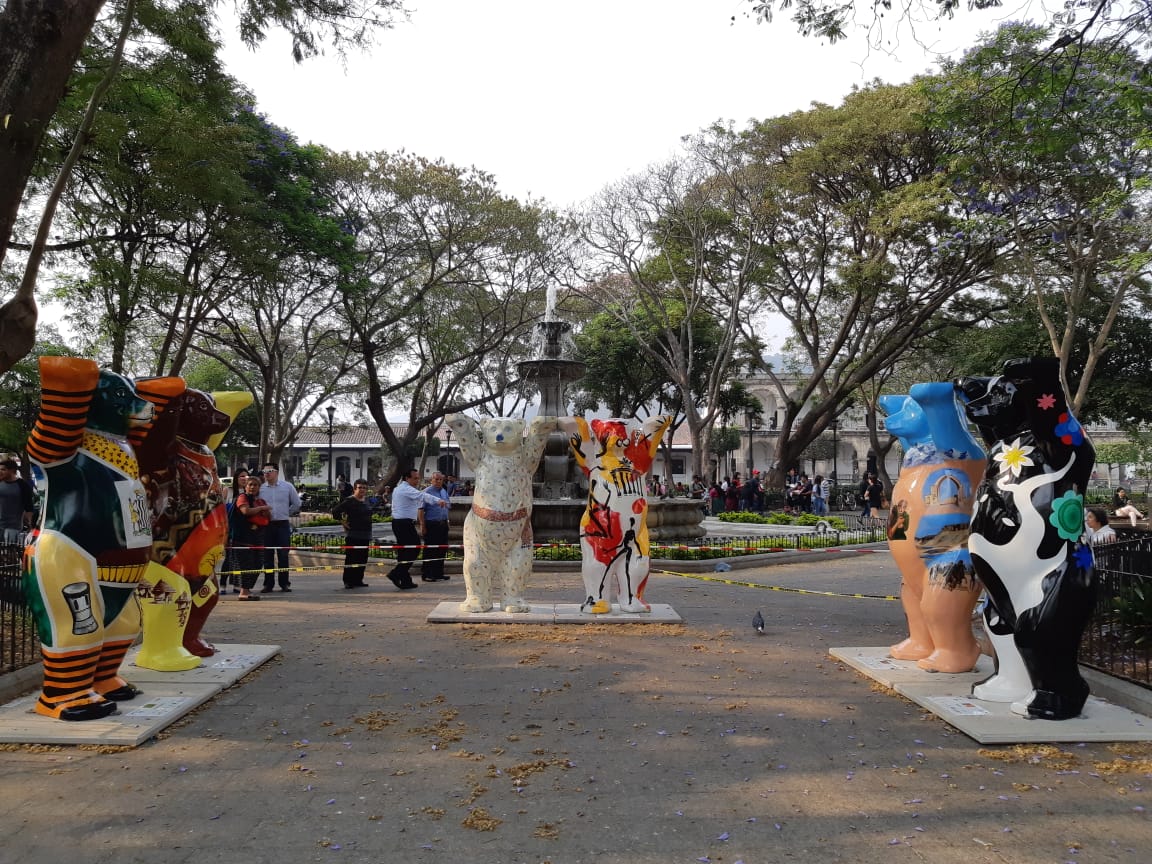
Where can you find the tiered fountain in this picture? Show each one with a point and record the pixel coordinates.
(557, 476)
(558, 488)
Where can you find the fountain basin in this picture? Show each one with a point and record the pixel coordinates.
(668, 519)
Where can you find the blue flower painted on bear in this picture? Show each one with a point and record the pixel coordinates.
(1083, 556)
(1069, 430)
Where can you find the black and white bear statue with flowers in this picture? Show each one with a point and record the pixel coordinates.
(1025, 538)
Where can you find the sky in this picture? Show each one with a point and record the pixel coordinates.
(557, 100)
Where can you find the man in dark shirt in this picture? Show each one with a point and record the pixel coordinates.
(354, 512)
(15, 502)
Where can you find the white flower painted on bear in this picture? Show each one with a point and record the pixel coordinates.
(1014, 457)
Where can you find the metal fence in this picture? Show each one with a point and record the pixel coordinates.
(19, 646)
(1119, 636)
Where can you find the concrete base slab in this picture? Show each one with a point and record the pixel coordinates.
(225, 668)
(138, 720)
(949, 697)
(877, 665)
(165, 698)
(448, 612)
(994, 722)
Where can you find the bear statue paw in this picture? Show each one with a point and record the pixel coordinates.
(635, 606)
(516, 604)
(472, 604)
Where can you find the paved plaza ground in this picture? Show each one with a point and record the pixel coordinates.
(377, 737)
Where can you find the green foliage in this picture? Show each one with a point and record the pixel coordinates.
(313, 465)
(320, 521)
(723, 440)
(618, 374)
(1134, 612)
(1050, 152)
(751, 518)
(804, 519)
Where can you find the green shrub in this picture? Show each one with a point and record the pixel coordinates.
(742, 516)
(1134, 613)
(319, 522)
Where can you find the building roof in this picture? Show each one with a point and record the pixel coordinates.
(369, 438)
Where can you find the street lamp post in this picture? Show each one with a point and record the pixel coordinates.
(331, 414)
(835, 465)
(448, 464)
(748, 417)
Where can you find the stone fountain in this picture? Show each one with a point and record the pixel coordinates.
(557, 477)
(558, 489)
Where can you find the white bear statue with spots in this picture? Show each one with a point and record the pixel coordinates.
(498, 528)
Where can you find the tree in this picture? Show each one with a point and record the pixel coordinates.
(722, 440)
(449, 275)
(1053, 152)
(1120, 453)
(159, 214)
(619, 374)
(676, 249)
(868, 247)
(312, 464)
(1113, 21)
(40, 41)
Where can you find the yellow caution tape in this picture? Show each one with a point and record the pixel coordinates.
(702, 578)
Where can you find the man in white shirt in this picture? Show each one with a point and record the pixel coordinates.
(406, 501)
(281, 496)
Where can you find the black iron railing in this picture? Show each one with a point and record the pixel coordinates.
(1119, 636)
(19, 646)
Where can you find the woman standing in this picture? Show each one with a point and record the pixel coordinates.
(231, 569)
(875, 496)
(248, 542)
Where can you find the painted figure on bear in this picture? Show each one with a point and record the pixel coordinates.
(615, 455)
(928, 527)
(1025, 537)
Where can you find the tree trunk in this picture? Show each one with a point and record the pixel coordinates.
(39, 44)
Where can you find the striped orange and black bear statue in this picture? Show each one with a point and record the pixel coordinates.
(95, 535)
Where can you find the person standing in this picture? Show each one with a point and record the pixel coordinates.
(356, 516)
(820, 496)
(1098, 529)
(406, 501)
(236, 520)
(249, 530)
(15, 502)
(282, 497)
(875, 497)
(433, 527)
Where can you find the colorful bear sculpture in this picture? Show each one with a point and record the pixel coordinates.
(1025, 537)
(95, 536)
(615, 455)
(928, 527)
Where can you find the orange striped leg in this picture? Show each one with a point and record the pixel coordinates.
(68, 693)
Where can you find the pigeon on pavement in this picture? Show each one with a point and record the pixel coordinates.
(758, 622)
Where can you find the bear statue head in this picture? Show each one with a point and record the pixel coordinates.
(116, 406)
(905, 419)
(502, 434)
(197, 417)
